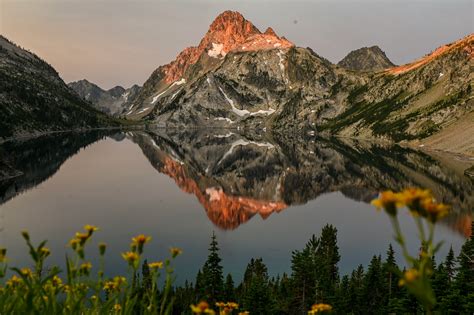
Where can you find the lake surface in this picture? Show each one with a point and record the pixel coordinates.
(263, 195)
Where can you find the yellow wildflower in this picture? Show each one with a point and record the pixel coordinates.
(119, 281)
(409, 276)
(220, 304)
(233, 305)
(411, 196)
(244, 313)
(156, 265)
(56, 281)
(434, 211)
(319, 308)
(110, 286)
(138, 242)
(85, 267)
(389, 201)
(26, 272)
(130, 257)
(202, 308)
(175, 252)
(74, 243)
(45, 252)
(82, 237)
(141, 239)
(90, 228)
(66, 288)
(117, 307)
(14, 281)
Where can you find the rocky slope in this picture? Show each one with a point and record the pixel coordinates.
(112, 102)
(34, 99)
(366, 59)
(241, 78)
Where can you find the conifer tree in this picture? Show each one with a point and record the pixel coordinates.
(256, 295)
(212, 276)
(229, 290)
(326, 263)
(374, 287)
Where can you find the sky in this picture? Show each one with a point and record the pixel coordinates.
(116, 42)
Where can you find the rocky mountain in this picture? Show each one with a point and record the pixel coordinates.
(241, 78)
(366, 59)
(112, 101)
(34, 99)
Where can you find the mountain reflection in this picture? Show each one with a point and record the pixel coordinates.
(25, 164)
(235, 177)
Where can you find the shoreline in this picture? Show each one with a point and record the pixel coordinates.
(415, 145)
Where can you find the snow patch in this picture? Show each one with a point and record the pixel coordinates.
(263, 112)
(224, 118)
(277, 45)
(227, 135)
(214, 193)
(216, 50)
(125, 95)
(244, 112)
(242, 142)
(239, 112)
(142, 110)
(180, 82)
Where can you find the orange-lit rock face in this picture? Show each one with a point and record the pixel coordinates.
(230, 31)
(463, 225)
(227, 212)
(466, 44)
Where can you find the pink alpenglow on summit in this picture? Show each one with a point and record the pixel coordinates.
(230, 31)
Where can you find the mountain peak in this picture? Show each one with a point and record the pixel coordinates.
(229, 31)
(232, 22)
(366, 59)
(270, 31)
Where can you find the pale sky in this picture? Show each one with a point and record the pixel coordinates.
(120, 42)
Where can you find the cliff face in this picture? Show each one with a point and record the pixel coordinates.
(366, 59)
(34, 99)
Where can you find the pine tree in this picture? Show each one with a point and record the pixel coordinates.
(343, 304)
(256, 294)
(450, 265)
(326, 263)
(303, 277)
(464, 283)
(374, 287)
(229, 290)
(212, 276)
(391, 271)
(356, 286)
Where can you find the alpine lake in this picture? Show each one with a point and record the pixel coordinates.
(263, 195)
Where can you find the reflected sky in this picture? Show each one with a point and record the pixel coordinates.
(113, 185)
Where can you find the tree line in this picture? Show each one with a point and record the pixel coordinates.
(315, 278)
